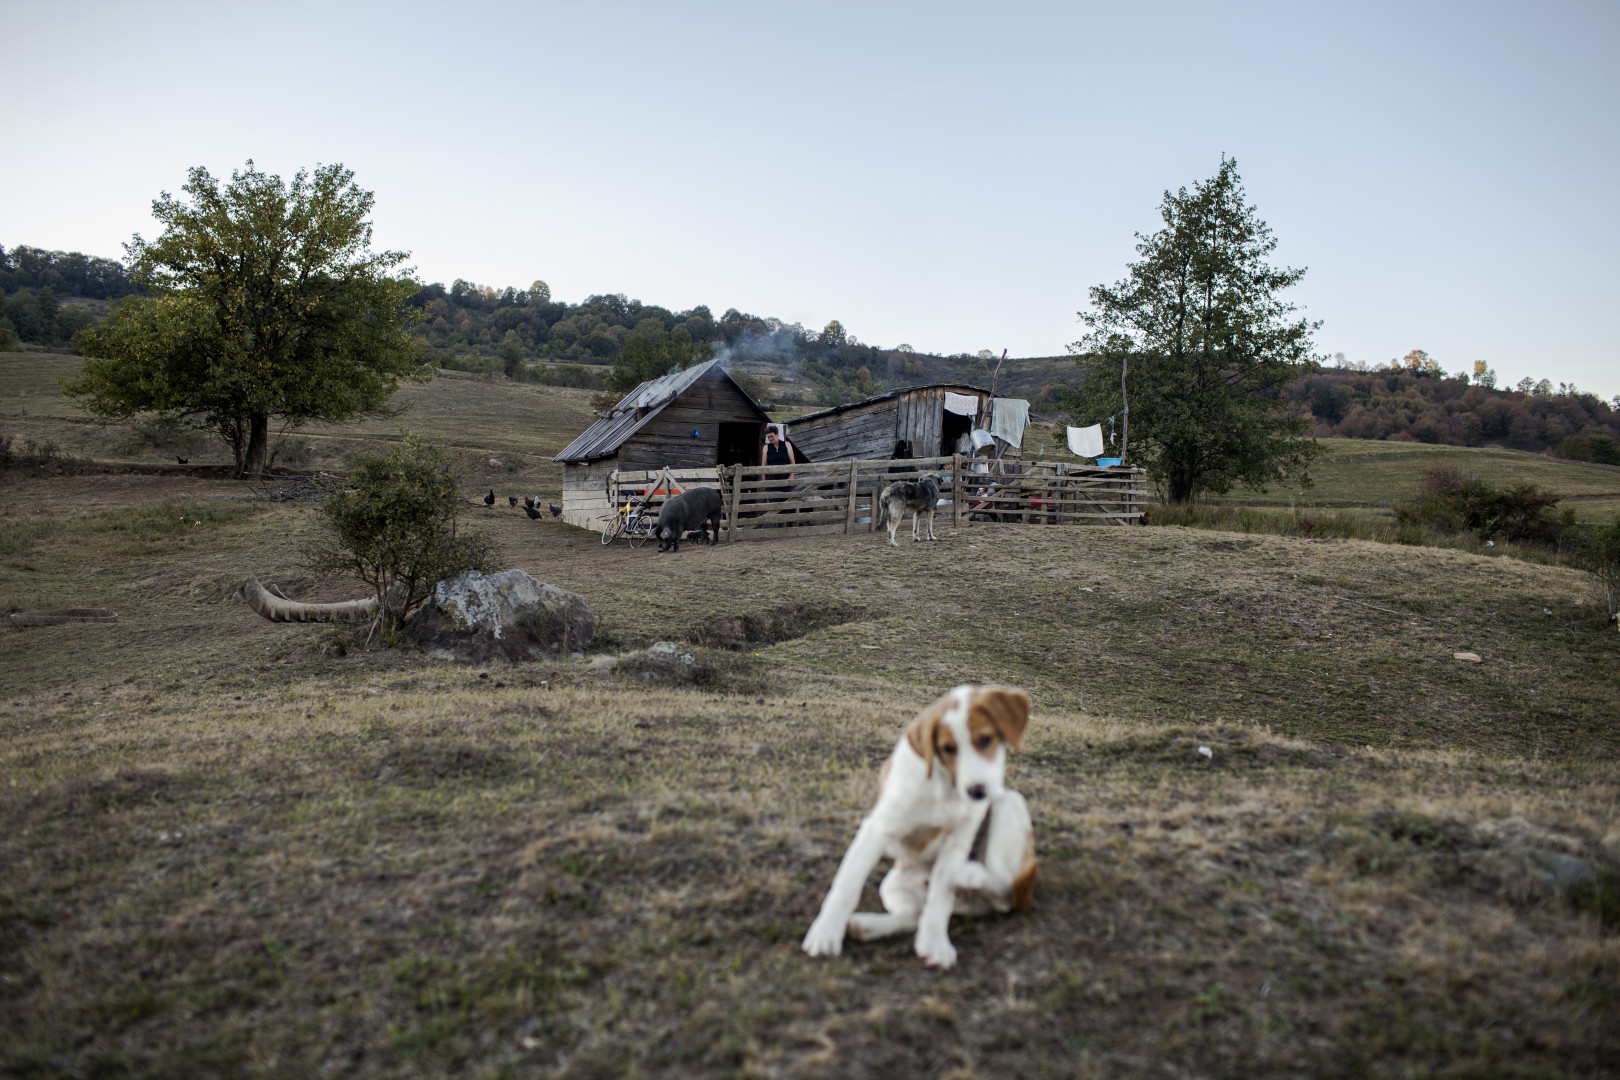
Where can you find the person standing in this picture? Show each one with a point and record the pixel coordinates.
(776, 452)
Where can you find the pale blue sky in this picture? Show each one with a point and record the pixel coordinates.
(952, 176)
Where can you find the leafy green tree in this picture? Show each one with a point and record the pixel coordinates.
(511, 353)
(648, 355)
(263, 301)
(396, 527)
(1203, 346)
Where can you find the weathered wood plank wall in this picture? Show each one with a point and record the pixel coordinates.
(867, 431)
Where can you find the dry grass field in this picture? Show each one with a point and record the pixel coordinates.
(233, 848)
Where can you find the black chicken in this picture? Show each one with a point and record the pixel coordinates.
(489, 500)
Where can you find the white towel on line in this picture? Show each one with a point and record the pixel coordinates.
(1086, 441)
(1008, 418)
(961, 404)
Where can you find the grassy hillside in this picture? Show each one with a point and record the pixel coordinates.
(523, 425)
(520, 425)
(234, 848)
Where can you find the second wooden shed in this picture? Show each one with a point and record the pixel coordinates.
(931, 420)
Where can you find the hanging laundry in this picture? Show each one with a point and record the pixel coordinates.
(1086, 441)
(961, 404)
(1008, 419)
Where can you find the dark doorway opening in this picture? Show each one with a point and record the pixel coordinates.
(952, 427)
(739, 443)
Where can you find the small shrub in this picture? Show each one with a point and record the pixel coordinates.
(396, 527)
(1596, 549)
(1452, 502)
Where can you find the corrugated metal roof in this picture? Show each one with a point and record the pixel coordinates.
(836, 409)
(636, 408)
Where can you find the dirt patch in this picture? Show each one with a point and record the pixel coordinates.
(771, 625)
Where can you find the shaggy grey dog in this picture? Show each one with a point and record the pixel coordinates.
(919, 496)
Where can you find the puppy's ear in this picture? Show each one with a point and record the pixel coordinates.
(921, 731)
(1008, 710)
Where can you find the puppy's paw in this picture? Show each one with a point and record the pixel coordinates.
(973, 875)
(936, 950)
(824, 938)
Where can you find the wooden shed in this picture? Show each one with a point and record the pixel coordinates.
(692, 420)
(930, 419)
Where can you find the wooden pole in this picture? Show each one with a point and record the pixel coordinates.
(736, 486)
(877, 489)
(1125, 410)
(849, 513)
(958, 489)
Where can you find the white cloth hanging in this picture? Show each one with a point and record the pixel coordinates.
(981, 439)
(1008, 419)
(1086, 441)
(961, 404)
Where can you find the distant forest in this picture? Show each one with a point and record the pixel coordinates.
(605, 329)
(478, 328)
(1427, 407)
(33, 284)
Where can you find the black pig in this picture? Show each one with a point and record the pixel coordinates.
(697, 509)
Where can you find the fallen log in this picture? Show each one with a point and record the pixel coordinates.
(277, 608)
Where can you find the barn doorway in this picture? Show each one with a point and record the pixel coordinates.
(952, 427)
(739, 443)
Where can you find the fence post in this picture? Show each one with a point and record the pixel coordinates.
(736, 485)
(849, 514)
(956, 490)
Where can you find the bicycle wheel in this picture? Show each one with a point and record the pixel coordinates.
(610, 531)
(640, 530)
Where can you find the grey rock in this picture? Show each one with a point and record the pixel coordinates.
(510, 615)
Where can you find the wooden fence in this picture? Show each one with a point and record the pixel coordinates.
(760, 503)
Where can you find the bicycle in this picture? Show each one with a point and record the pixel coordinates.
(632, 520)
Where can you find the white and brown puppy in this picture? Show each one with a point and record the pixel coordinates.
(940, 789)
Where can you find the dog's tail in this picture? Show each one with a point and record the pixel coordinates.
(882, 505)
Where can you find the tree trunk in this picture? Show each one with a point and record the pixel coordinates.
(257, 457)
(1181, 485)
